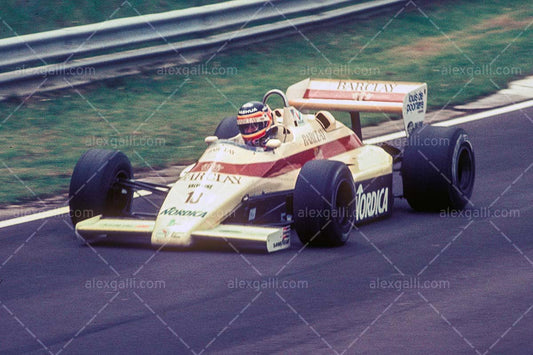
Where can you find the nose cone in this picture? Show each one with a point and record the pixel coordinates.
(200, 200)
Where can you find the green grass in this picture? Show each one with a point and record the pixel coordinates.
(29, 16)
(41, 138)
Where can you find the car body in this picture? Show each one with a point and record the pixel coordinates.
(241, 194)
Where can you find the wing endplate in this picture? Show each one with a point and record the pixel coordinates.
(270, 238)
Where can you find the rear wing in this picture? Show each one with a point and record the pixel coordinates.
(355, 96)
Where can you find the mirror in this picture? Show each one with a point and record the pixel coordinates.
(273, 144)
(210, 139)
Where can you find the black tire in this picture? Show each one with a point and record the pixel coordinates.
(93, 189)
(227, 128)
(323, 206)
(438, 169)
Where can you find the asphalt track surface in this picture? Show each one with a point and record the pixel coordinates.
(59, 295)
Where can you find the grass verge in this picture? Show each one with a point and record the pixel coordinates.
(463, 50)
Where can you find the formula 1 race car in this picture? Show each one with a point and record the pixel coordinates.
(315, 175)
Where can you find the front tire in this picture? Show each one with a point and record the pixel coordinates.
(438, 169)
(94, 187)
(323, 206)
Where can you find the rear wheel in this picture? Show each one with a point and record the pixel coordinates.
(438, 169)
(94, 186)
(323, 207)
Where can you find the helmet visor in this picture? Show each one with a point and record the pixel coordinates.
(251, 125)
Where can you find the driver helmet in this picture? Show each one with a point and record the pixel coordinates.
(254, 120)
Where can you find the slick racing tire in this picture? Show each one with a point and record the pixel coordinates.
(323, 205)
(438, 169)
(227, 128)
(93, 186)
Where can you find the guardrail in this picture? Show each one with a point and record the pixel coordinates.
(27, 58)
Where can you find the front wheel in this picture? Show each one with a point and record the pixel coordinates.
(94, 186)
(323, 206)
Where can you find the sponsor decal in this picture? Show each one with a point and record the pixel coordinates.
(193, 197)
(173, 211)
(165, 234)
(412, 126)
(371, 204)
(415, 102)
(314, 137)
(162, 234)
(230, 231)
(297, 115)
(281, 243)
(214, 167)
(258, 119)
(226, 150)
(196, 186)
(142, 226)
(213, 177)
(248, 108)
(251, 216)
(113, 224)
(285, 240)
(362, 96)
(366, 86)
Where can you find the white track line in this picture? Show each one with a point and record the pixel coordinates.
(48, 214)
(34, 217)
(384, 138)
(485, 114)
(457, 121)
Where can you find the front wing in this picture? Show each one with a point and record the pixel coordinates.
(269, 238)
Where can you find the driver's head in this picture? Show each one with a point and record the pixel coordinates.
(254, 121)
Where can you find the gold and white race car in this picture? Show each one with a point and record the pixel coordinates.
(315, 175)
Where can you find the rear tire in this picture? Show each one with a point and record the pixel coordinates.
(227, 128)
(323, 206)
(93, 186)
(438, 169)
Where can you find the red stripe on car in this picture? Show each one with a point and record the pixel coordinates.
(284, 165)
